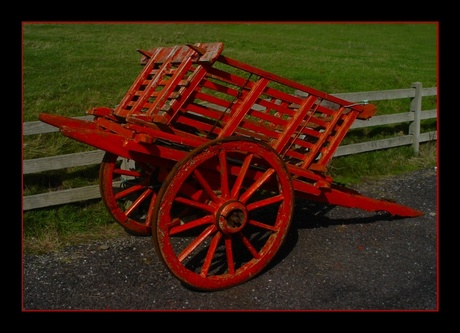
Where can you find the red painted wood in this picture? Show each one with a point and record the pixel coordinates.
(184, 120)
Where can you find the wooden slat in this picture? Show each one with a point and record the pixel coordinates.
(378, 95)
(242, 109)
(61, 197)
(294, 123)
(62, 161)
(393, 119)
(382, 144)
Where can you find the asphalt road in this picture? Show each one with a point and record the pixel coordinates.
(333, 259)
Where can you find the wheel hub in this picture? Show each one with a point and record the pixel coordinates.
(232, 217)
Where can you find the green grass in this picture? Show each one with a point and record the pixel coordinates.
(71, 68)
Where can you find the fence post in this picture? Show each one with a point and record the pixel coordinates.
(416, 107)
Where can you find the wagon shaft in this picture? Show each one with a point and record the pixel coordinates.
(341, 196)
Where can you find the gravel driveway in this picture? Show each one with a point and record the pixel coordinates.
(333, 259)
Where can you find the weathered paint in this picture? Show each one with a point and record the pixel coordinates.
(184, 122)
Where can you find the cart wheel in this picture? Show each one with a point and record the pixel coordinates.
(127, 188)
(222, 213)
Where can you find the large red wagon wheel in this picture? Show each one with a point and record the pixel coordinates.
(222, 213)
(127, 189)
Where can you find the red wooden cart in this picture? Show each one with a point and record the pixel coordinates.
(206, 154)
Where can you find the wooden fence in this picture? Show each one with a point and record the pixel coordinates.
(414, 137)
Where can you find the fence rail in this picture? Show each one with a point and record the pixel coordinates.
(415, 114)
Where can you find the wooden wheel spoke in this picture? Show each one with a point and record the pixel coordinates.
(190, 225)
(138, 201)
(124, 172)
(205, 185)
(229, 253)
(265, 202)
(224, 175)
(249, 246)
(196, 242)
(256, 185)
(241, 175)
(128, 191)
(210, 254)
(190, 191)
(263, 225)
(195, 204)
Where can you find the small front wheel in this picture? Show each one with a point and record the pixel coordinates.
(223, 213)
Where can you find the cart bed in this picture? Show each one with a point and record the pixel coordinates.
(191, 94)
